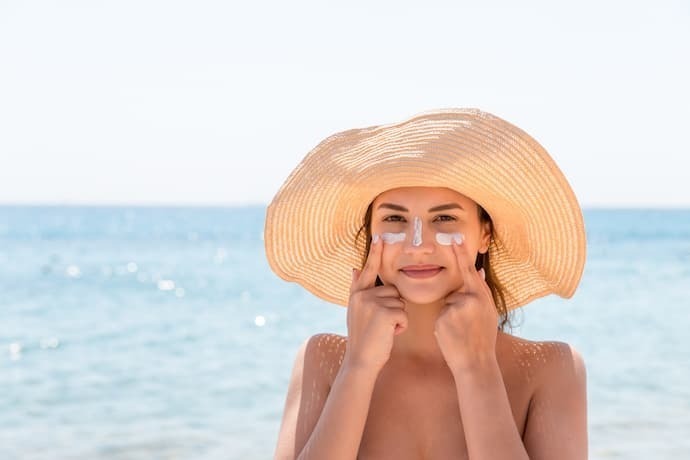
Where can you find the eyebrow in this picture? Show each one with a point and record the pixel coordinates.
(443, 207)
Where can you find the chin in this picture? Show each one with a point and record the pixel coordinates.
(421, 296)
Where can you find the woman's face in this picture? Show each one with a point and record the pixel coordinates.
(418, 223)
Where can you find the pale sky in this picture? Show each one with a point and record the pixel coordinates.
(201, 102)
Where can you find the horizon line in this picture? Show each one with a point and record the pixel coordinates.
(252, 204)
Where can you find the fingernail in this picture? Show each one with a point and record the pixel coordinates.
(375, 238)
(483, 273)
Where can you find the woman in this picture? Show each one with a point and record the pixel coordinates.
(459, 217)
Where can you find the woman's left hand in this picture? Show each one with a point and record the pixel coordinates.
(466, 328)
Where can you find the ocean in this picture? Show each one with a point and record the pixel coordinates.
(161, 333)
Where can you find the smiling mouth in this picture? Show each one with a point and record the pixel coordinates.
(422, 271)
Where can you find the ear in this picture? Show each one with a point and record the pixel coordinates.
(485, 237)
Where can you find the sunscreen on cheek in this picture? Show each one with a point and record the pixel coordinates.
(392, 238)
(446, 239)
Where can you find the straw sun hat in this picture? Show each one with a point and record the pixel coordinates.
(539, 244)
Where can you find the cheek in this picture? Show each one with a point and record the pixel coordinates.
(389, 255)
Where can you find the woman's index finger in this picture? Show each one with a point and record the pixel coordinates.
(465, 265)
(367, 277)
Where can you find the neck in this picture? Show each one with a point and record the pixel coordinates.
(418, 342)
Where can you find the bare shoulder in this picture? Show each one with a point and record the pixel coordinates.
(316, 365)
(557, 414)
(545, 361)
(324, 352)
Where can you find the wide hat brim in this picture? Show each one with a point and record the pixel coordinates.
(539, 243)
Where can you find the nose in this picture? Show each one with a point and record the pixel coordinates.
(419, 241)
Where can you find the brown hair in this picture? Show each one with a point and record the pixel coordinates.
(497, 289)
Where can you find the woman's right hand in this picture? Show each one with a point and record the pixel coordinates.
(375, 314)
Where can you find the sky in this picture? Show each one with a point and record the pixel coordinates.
(215, 102)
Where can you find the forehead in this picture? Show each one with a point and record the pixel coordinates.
(424, 196)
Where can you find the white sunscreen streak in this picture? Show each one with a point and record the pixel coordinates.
(446, 239)
(392, 238)
(417, 236)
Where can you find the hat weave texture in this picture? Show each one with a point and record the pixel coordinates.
(539, 242)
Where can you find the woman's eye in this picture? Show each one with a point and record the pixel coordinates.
(394, 218)
(445, 218)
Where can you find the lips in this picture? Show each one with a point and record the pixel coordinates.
(421, 271)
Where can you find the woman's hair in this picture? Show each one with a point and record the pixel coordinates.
(497, 289)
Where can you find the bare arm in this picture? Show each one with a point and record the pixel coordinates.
(338, 433)
(557, 418)
(322, 422)
(318, 423)
(487, 418)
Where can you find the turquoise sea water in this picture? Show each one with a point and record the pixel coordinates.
(161, 333)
